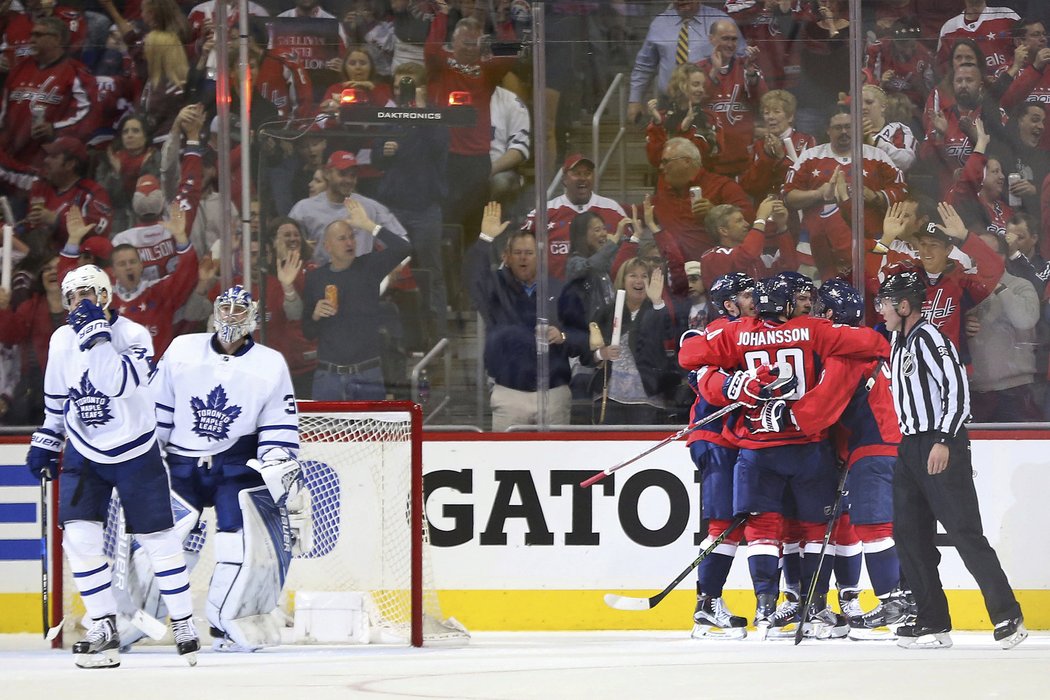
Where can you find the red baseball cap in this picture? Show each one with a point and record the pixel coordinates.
(68, 145)
(574, 160)
(97, 246)
(147, 184)
(342, 160)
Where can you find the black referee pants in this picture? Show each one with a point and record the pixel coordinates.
(919, 502)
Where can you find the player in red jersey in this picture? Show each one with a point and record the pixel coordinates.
(714, 455)
(772, 462)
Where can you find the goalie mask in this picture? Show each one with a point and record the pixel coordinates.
(87, 277)
(235, 314)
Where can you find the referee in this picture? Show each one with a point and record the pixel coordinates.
(932, 478)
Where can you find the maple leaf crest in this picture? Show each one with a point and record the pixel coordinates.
(92, 406)
(213, 416)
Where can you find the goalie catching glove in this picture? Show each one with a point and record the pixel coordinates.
(759, 384)
(281, 473)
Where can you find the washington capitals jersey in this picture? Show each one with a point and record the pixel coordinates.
(100, 398)
(711, 432)
(804, 343)
(854, 396)
(207, 401)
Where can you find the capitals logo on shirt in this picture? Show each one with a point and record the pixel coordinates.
(212, 418)
(91, 404)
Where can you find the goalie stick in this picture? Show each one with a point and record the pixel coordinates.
(622, 602)
(784, 377)
(836, 508)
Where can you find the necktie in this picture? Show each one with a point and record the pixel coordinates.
(681, 52)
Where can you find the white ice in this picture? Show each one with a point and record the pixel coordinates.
(526, 666)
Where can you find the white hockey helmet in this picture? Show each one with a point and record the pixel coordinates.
(87, 277)
(235, 314)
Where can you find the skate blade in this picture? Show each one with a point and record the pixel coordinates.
(1014, 639)
(783, 632)
(190, 658)
(862, 634)
(926, 641)
(109, 658)
(709, 632)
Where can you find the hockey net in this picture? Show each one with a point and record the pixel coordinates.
(362, 468)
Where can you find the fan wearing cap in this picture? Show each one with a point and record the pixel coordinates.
(951, 291)
(50, 80)
(64, 187)
(900, 63)
(317, 212)
(577, 196)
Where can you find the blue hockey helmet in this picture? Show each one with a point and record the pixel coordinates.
(234, 313)
(799, 282)
(774, 297)
(727, 287)
(843, 299)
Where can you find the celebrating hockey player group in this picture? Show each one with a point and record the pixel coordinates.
(775, 463)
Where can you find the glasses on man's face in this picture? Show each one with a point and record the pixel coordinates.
(665, 161)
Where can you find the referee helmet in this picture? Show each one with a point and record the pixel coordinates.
(774, 297)
(843, 299)
(906, 283)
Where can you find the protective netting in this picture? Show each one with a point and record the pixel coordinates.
(357, 469)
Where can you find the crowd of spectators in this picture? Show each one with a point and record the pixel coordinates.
(368, 242)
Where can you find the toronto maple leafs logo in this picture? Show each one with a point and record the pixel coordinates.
(212, 418)
(91, 404)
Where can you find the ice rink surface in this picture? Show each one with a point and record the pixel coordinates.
(526, 666)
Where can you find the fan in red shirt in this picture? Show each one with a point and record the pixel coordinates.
(817, 186)
(990, 27)
(772, 26)
(742, 247)
(778, 149)
(685, 192)
(978, 195)
(1032, 82)
(734, 88)
(62, 188)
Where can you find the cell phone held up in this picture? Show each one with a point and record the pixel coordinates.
(695, 194)
(406, 91)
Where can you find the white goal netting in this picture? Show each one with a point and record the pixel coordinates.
(358, 470)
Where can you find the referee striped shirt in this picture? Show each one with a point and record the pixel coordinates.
(930, 389)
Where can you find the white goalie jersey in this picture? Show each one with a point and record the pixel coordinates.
(100, 399)
(206, 400)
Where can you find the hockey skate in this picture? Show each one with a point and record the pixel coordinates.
(221, 642)
(849, 603)
(824, 623)
(765, 608)
(712, 619)
(916, 636)
(100, 647)
(786, 617)
(1010, 633)
(186, 641)
(880, 622)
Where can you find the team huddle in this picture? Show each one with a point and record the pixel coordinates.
(221, 406)
(817, 436)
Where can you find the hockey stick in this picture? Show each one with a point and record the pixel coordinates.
(146, 623)
(835, 510)
(784, 377)
(621, 602)
(45, 593)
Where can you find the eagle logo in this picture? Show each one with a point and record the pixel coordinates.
(213, 416)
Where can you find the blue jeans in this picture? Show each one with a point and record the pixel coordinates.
(361, 386)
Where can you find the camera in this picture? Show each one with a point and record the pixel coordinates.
(506, 48)
(406, 91)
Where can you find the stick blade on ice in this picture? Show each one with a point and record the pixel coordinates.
(619, 602)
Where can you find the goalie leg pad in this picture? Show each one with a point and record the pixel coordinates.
(92, 574)
(250, 570)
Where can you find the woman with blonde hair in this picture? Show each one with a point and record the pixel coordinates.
(895, 139)
(637, 376)
(681, 115)
(164, 91)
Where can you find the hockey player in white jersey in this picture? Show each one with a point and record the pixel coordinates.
(226, 416)
(97, 400)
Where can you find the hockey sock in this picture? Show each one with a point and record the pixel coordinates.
(883, 565)
(847, 565)
(92, 575)
(792, 563)
(714, 569)
(762, 532)
(812, 543)
(169, 564)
